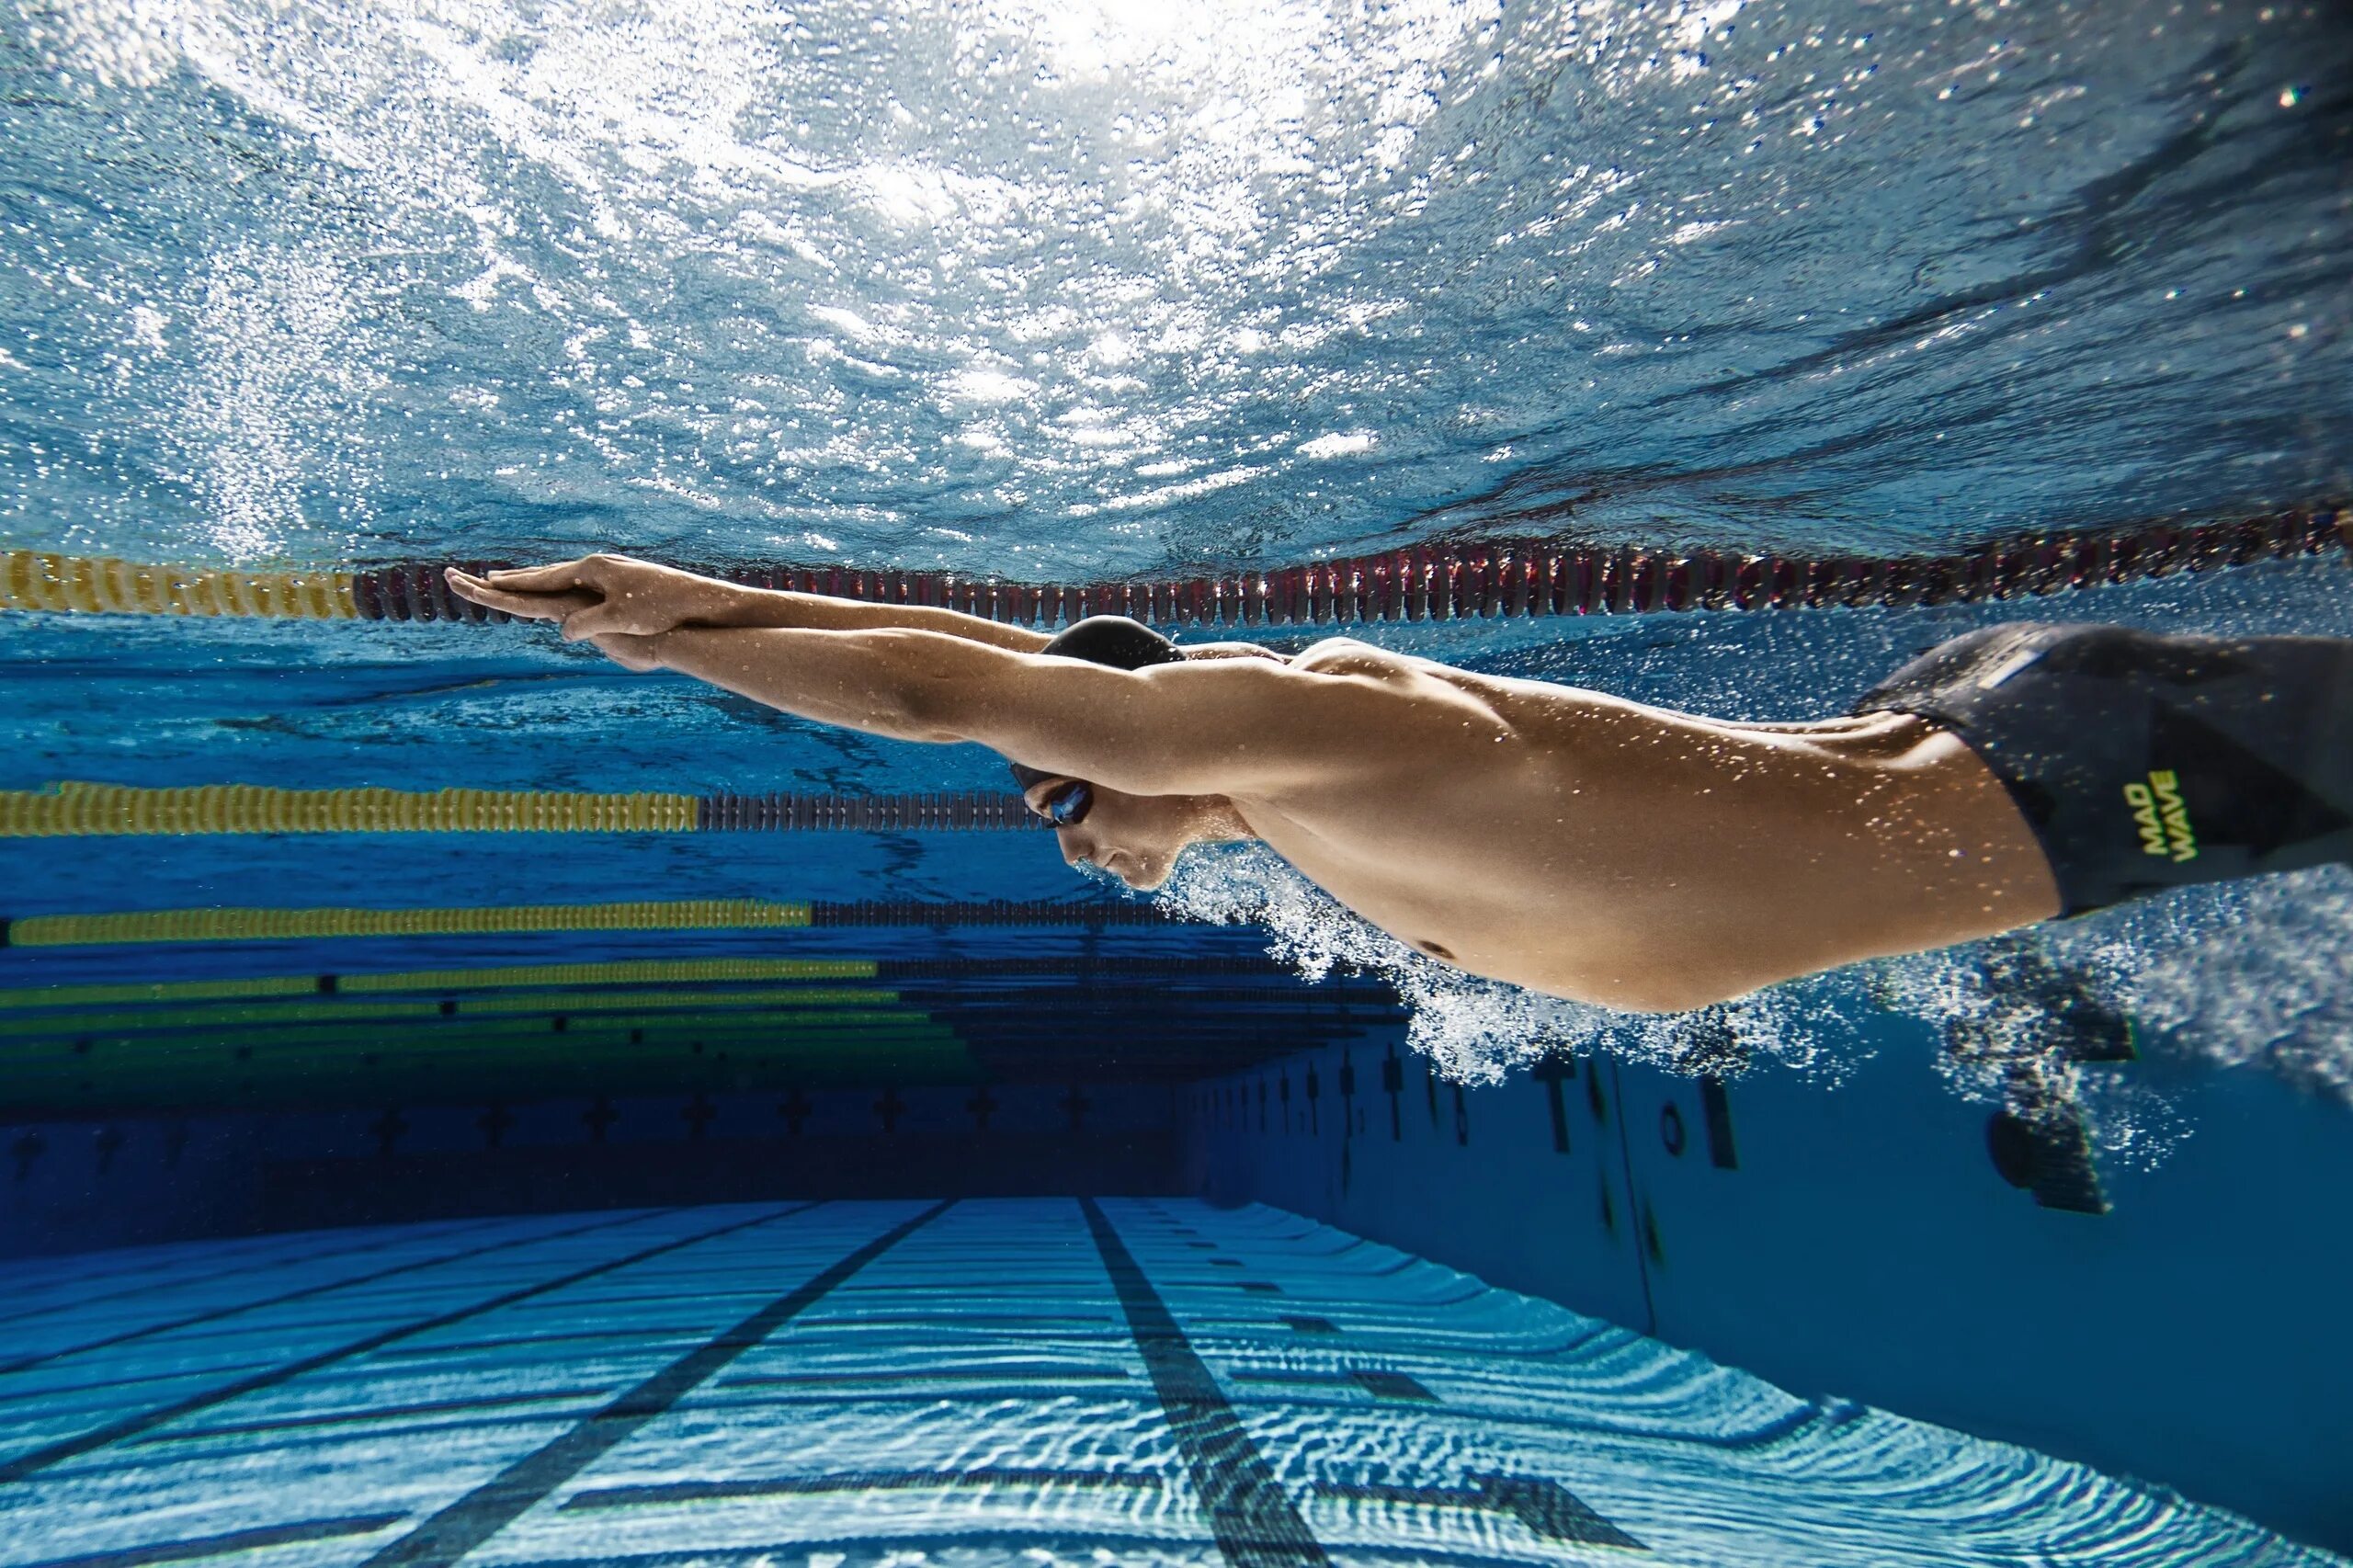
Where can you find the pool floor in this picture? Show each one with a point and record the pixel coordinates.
(1037, 1380)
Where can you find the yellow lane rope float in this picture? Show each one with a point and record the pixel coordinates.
(298, 925)
(104, 586)
(78, 809)
(673, 915)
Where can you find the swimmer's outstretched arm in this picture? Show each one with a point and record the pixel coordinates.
(615, 594)
(1138, 730)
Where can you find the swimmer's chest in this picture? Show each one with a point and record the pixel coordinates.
(1463, 903)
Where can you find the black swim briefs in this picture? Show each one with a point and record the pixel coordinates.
(2146, 761)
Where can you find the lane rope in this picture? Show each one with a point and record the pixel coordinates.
(105, 586)
(225, 925)
(542, 1004)
(626, 971)
(635, 972)
(23, 1056)
(307, 925)
(78, 809)
(1430, 582)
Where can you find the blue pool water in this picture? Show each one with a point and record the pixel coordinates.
(1166, 1383)
(1089, 287)
(307, 1241)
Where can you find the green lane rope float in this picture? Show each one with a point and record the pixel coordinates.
(1432, 582)
(627, 971)
(676, 914)
(76, 810)
(874, 1023)
(241, 1014)
(516, 978)
(425, 1066)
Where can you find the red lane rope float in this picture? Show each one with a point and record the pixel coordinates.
(1444, 582)
(1522, 577)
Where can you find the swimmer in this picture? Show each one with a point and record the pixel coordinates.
(1559, 839)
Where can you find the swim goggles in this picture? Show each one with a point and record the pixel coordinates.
(1068, 806)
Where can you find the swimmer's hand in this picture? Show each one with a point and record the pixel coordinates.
(599, 596)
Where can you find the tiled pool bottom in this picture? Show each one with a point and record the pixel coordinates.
(1035, 1381)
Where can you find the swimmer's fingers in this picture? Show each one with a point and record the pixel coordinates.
(523, 606)
(582, 573)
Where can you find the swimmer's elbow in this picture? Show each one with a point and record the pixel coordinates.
(928, 711)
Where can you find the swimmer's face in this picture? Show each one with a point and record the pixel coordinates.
(1135, 837)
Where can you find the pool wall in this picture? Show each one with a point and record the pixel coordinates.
(1858, 1240)
(73, 1186)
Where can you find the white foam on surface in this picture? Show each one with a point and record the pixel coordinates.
(2257, 975)
(1477, 1030)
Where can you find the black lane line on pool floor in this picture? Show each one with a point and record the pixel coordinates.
(1252, 1519)
(440, 1539)
(275, 1260)
(42, 1459)
(214, 1314)
(1636, 1231)
(222, 1545)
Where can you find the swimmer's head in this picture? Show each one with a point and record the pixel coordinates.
(1133, 837)
(1111, 640)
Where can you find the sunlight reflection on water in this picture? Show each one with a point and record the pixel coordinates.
(1066, 289)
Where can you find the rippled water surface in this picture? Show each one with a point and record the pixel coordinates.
(1092, 287)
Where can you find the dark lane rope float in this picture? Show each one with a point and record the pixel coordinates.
(1435, 582)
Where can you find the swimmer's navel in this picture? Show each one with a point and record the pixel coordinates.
(1434, 949)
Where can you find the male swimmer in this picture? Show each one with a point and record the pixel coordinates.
(1558, 838)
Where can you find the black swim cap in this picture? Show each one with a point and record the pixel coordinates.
(1115, 641)
(1111, 640)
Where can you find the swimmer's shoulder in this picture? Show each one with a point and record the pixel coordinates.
(1435, 686)
(1347, 656)
(1408, 672)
